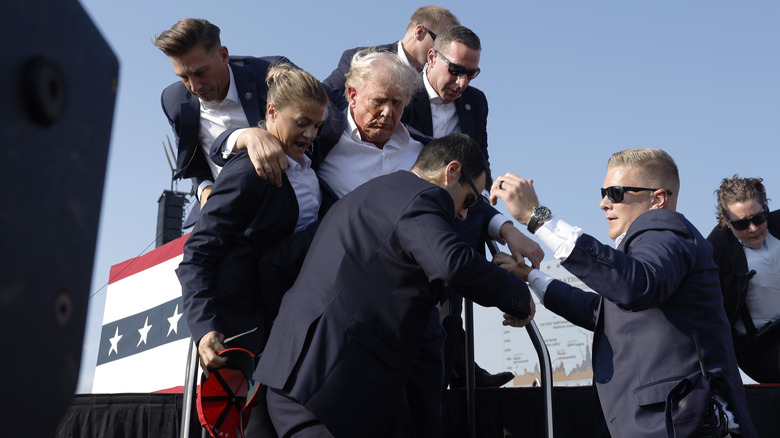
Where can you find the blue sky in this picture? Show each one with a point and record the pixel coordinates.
(568, 84)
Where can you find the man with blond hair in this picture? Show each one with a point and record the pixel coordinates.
(663, 362)
(413, 48)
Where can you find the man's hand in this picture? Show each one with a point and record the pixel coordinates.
(266, 154)
(509, 263)
(204, 195)
(518, 195)
(209, 347)
(521, 245)
(517, 322)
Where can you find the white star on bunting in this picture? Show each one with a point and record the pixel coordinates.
(174, 321)
(144, 332)
(115, 342)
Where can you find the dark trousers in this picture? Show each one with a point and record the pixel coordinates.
(291, 419)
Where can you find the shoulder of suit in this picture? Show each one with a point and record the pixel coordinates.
(173, 95)
(774, 223)
(474, 92)
(661, 219)
(258, 62)
(349, 53)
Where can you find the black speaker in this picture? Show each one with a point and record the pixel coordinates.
(58, 81)
(170, 214)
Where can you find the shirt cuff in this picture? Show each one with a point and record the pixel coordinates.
(202, 186)
(494, 227)
(230, 143)
(538, 282)
(559, 236)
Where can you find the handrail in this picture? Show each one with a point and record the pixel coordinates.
(190, 385)
(545, 364)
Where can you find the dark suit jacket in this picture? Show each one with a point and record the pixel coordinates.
(222, 288)
(336, 79)
(658, 287)
(182, 109)
(472, 110)
(349, 330)
(730, 258)
(734, 280)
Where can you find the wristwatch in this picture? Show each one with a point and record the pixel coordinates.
(540, 215)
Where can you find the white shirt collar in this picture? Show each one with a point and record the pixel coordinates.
(401, 53)
(304, 164)
(619, 239)
(433, 96)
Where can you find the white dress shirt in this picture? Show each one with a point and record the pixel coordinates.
(443, 114)
(353, 161)
(215, 118)
(307, 191)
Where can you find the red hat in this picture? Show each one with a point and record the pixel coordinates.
(225, 399)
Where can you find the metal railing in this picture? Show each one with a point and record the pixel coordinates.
(545, 364)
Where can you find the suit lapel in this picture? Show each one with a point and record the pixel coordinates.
(247, 94)
(189, 130)
(465, 117)
(421, 117)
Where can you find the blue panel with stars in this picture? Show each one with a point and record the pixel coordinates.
(142, 331)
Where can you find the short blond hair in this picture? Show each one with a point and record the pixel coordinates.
(657, 168)
(432, 16)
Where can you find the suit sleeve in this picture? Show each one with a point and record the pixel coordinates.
(576, 305)
(337, 79)
(427, 236)
(232, 206)
(645, 276)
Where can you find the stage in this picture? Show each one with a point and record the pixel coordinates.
(501, 412)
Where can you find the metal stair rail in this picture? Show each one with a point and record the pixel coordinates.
(545, 365)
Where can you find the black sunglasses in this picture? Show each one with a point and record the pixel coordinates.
(756, 219)
(430, 32)
(467, 204)
(459, 70)
(616, 193)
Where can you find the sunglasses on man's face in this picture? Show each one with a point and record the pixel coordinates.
(459, 70)
(430, 32)
(469, 203)
(743, 224)
(616, 193)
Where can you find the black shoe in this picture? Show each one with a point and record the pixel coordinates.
(483, 379)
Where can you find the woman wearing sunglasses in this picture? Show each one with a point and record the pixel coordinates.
(749, 261)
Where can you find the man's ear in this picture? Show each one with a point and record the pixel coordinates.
(452, 172)
(223, 54)
(351, 93)
(660, 198)
(431, 57)
(419, 32)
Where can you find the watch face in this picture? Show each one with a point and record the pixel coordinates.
(541, 213)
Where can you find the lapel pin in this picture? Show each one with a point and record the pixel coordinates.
(468, 107)
(248, 96)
